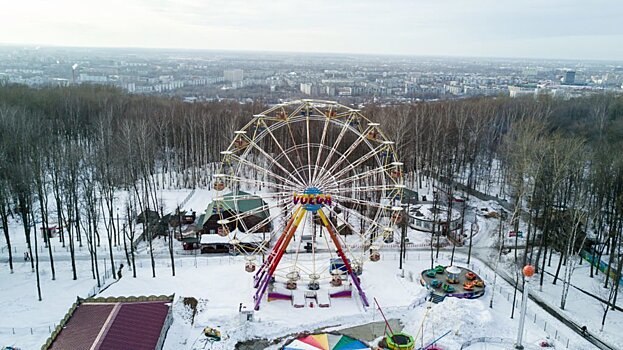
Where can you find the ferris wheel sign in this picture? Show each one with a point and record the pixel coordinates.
(312, 199)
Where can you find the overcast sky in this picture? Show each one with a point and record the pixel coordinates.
(579, 29)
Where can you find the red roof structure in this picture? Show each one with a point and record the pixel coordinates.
(114, 324)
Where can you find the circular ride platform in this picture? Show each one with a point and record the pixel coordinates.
(453, 281)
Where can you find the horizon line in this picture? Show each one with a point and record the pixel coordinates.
(403, 55)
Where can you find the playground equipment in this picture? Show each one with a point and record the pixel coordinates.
(440, 269)
(431, 273)
(421, 333)
(435, 283)
(399, 341)
(394, 340)
(316, 166)
(470, 276)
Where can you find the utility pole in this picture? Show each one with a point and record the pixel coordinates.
(528, 271)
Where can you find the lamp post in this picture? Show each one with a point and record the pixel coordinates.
(528, 271)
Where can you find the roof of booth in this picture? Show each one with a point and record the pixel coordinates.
(236, 202)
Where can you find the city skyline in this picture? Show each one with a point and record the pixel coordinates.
(531, 29)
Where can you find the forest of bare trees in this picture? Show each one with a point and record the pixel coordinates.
(558, 161)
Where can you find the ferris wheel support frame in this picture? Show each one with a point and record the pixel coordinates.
(259, 275)
(278, 253)
(340, 252)
(266, 271)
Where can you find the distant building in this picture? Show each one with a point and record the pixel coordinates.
(233, 75)
(454, 89)
(130, 87)
(345, 91)
(522, 90)
(56, 81)
(530, 72)
(87, 78)
(306, 88)
(569, 77)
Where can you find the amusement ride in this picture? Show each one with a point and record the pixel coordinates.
(303, 180)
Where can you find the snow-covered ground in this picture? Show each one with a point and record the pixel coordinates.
(580, 307)
(220, 284)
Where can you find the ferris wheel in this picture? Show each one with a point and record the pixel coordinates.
(309, 191)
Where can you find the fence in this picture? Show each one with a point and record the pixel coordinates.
(21, 331)
(601, 265)
(188, 197)
(43, 250)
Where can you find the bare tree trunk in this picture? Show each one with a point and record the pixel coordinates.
(37, 260)
(131, 238)
(44, 220)
(5, 228)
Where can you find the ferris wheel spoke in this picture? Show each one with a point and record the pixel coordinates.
(243, 197)
(273, 161)
(322, 140)
(309, 173)
(363, 189)
(369, 203)
(298, 154)
(266, 184)
(374, 222)
(359, 176)
(279, 227)
(264, 222)
(343, 242)
(344, 156)
(361, 160)
(266, 171)
(300, 181)
(372, 230)
(334, 148)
